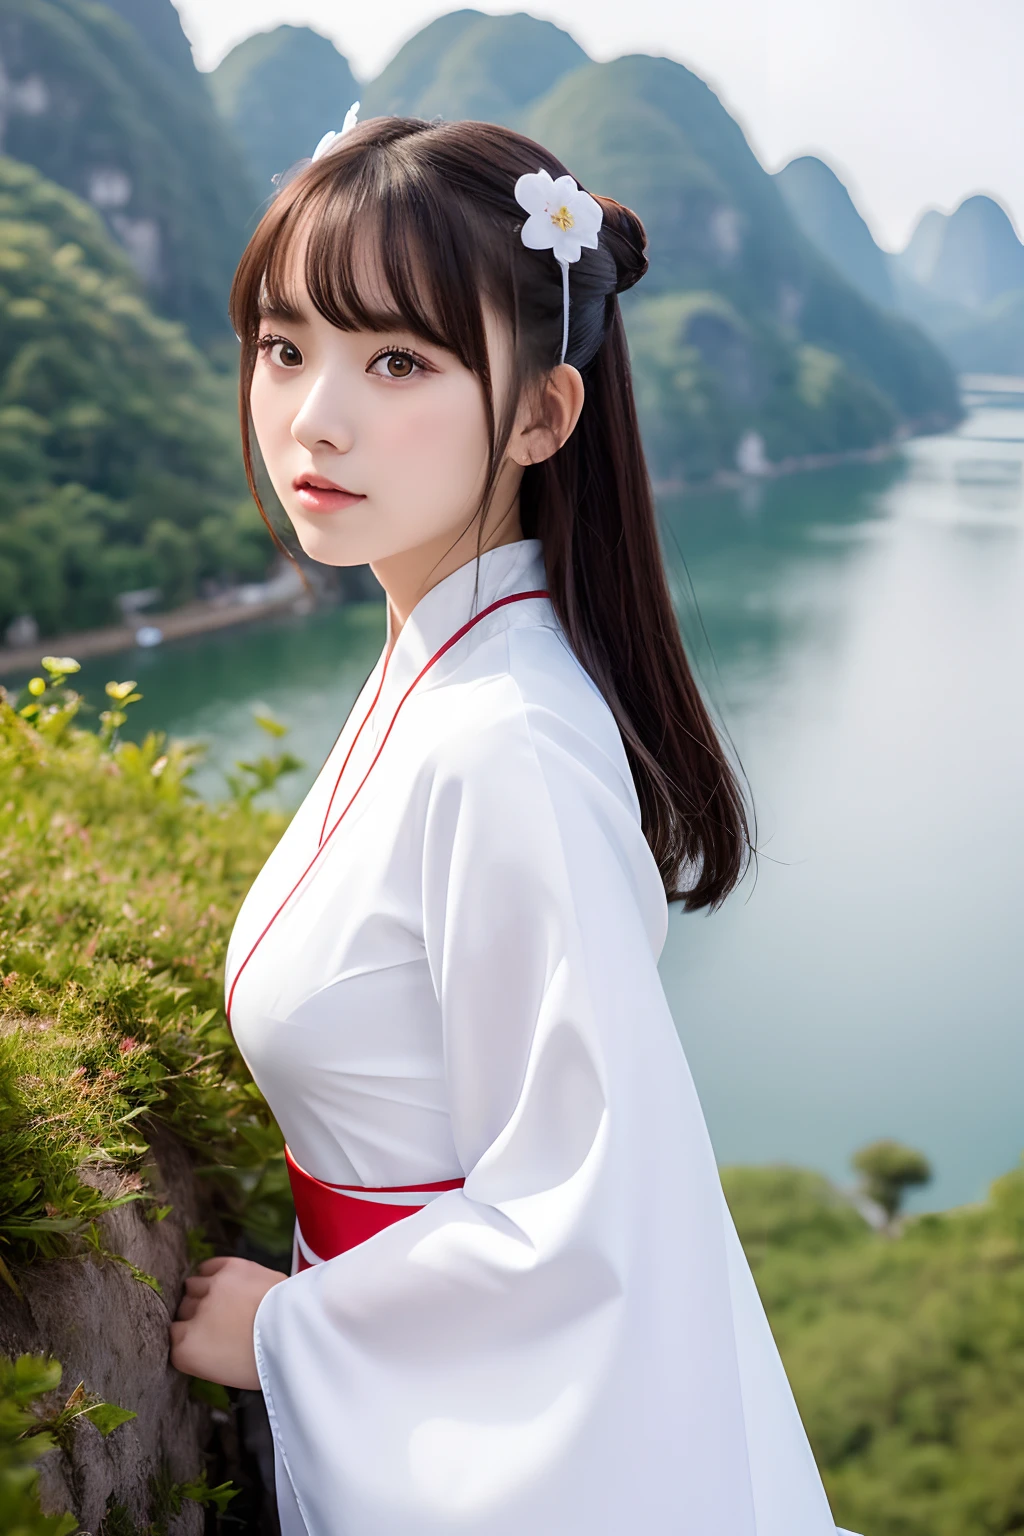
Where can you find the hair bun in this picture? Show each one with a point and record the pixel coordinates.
(626, 238)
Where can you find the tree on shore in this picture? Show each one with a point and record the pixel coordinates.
(888, 1169)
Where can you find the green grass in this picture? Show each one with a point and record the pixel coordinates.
(117, 891)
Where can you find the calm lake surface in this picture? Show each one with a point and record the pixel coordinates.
(860, 632)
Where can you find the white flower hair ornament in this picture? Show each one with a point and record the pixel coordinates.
(351, 118)
(562, 219)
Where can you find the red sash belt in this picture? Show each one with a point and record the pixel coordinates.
(331, 1218)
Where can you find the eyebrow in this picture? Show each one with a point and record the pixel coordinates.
(282, 310)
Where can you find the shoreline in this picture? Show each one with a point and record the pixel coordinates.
(199, 618)
(196, 618)
(735, 479)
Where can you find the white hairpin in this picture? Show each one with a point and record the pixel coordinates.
(351, 118)
(563, 219)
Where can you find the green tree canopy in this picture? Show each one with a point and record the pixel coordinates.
(112, 107)
(113, 426)
(888, 1169)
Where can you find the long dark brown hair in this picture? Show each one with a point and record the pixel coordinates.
(436, 201)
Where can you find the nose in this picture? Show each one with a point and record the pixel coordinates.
(321, 420)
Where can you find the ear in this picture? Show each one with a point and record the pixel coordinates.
(547, 416)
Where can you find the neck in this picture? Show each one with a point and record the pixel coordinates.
(410, 575)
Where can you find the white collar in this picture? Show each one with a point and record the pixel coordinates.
(507, 568)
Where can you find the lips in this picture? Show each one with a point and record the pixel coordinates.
(318, 494)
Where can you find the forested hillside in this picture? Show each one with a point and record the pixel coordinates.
(470, 65)
(650, 133)
(762, 334)
(826, 213)
(105, 100)
(122, 469)
(276, 119)
(119, 462)
(960, 277)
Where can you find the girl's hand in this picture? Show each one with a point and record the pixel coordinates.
(212, 1335)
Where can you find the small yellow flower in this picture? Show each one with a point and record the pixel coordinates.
(65, 665)
(119, 691)
(36, 686)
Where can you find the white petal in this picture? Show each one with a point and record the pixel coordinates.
(538, 233)
(351, 117)
(565, 189)
(325, 143)
(533, 191)
(586, 211)
(566, 244)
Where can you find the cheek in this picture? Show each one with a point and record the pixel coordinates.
(273, 409)
(442, 437)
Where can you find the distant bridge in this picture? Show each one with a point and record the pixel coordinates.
(991, 389)
(996, 391)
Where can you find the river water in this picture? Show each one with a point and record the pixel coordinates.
(860, 634)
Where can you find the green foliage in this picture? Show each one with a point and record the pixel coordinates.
(106, 1417)
(127, 120)
(168, 1498)
(906, 1354)
(117, 888)
(263, 773)
(209, 1392)
(888, 1169)
(704, 375)
(166, 1502)
(119, 460)
(23, 1382)
(789, 1209)
(199, 1491)
(649, 132)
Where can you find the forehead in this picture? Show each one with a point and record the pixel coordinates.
(303, 268)
(348, 264)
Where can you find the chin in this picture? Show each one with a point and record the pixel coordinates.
(328, 546)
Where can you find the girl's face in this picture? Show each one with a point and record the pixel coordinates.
(375, 442)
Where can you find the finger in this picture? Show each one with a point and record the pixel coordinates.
(181, 1355)
(198, 1285)
(211, 1266)
(189, 1307)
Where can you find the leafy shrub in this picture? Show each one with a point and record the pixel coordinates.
(906, 1353)
(117, 891)
(23, 1382)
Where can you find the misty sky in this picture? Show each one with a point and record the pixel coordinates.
(915, 103)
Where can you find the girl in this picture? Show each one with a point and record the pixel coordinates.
(518, 1303)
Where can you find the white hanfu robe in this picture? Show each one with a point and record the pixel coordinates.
(466, 983)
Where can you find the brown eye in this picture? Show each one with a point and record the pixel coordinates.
(395, 363)
(281, 352)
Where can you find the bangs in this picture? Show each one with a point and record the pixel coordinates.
(386, 248)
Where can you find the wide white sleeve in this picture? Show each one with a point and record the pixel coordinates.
(552, 1349)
